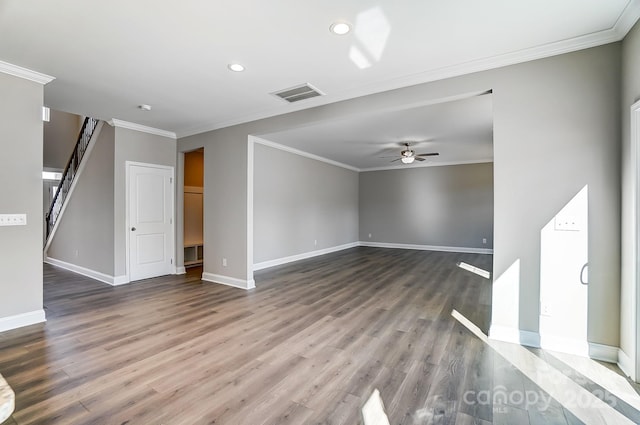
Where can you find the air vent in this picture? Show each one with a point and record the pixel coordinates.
(297, 93)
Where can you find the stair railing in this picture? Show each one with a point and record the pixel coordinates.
(69, 173)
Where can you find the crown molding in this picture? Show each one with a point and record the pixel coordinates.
(27, 74)
(303, 153)
(361, 170)
(627, 19)
(430, 164)
(141, 128)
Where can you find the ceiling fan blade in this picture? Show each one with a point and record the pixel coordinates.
(397, 159)
(429, 154)
(417, 158)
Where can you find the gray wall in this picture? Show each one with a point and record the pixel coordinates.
(298, 201)
(60, 137)
(134, 146)
(225, 199)
(441, 206)
(556, 129)
(21, 174)
(94, 221)
(84, 236)
(630, 95)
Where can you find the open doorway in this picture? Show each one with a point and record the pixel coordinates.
(193, 223)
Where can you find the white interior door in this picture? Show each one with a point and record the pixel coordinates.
(150, 221)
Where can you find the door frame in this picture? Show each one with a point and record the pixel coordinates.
(128, 165)
(634, 139)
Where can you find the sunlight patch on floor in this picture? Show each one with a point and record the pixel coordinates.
(579, 401)
(474, 269)
(373, 410)
(606, 378)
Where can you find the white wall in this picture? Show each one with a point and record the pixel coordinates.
(301, 204)
(21, 174)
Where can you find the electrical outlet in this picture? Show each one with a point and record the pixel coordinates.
(224, 262)
(315, 242)
(484, 241)
(369, 235)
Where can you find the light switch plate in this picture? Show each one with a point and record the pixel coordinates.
(13, 219)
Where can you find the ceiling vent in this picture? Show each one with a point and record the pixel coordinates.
(297, 93)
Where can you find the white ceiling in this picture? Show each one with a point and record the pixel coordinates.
(460, 131)
(108, 57)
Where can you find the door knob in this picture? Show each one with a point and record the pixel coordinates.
(133, 229)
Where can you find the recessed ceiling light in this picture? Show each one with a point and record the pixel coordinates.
(145, 107)
(340, 28)
(235, 67)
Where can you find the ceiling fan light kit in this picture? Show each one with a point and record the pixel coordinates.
(408, 155)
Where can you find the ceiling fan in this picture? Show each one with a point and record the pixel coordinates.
(408, 155)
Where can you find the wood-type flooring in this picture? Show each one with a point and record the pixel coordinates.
(307, 346)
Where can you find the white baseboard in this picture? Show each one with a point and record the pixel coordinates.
(461, 249)
(20, 320)
(604, 353)
(181, 270)
(565, 345)
(515, 336)
(102, 277)
(120, 280)
(229, 281)
(626, 364)
(303, 256)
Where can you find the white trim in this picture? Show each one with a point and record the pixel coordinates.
(428, 164)
(120, 280)
(302, 153)
(99, 276)
(460, 249)
(627, 19)
(626, 364)
(604, 353)
(127, 166)
(564, 345)
(634, 139)
(304, 255)
(21, 320)
(27, 74)
(229, 281)
(515, 336)
(181, 270)
(141, 128)
(79, 171)
(250, 170)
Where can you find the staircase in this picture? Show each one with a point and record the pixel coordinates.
(69, 174)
